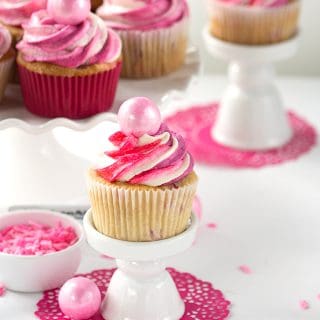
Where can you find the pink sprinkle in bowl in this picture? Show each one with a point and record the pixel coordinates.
(31, 273)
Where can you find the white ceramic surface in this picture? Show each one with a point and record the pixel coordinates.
(39, 273)
(251, 114)
(141, 288)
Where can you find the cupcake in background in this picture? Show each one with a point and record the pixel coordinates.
(254, 22)
(154, 34)
(7, 57)
(146, 192)
(95, 4)
(13, 14)
(69, 61)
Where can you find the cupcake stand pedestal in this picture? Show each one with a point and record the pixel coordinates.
(141, 288)
(251, 114)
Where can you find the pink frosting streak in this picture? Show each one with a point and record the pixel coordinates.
(5, 41)
(152, 160)
(18, 12)
(70, 46)
(142, 14)
(258, 3)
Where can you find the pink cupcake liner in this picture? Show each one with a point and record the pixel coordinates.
(71, 97)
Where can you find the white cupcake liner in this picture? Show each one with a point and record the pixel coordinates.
(138, 213)
(253, 25)
(6, 70)
(154, 53)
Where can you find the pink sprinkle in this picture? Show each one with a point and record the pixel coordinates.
(304, 305)
(245, 269)
(211, 225)
(2, 290)
(33, 238)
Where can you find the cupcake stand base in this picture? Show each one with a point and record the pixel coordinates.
(251, 116)
(141, 288)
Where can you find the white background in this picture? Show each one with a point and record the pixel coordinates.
(307, 60)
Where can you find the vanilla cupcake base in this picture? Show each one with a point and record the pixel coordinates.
(253, 25)
(141, 213)
(154, 53)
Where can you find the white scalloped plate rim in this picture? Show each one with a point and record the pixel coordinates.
(44, 126)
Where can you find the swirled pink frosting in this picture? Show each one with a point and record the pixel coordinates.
(70, 46)
(156, 160)
(142, 14)
(18, 12)
(5, 41)
(258, 3)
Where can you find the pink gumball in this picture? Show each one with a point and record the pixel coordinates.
(79, 298)
(139, 116)
(69, 12)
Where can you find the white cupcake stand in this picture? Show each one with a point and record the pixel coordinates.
(141, 288)
(251, 114)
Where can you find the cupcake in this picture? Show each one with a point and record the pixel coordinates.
(13, 14)
(254, 22)
(95, 4)
(154, 34)
(69, 61)
(7, 56)
(146, 192)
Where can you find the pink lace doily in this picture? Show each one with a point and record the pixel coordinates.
(202, 301)
(195, 123)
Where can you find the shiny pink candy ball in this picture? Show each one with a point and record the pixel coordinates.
(139, 116)
(79, 298)
(69, 12)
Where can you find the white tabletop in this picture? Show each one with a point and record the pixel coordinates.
(267, 219)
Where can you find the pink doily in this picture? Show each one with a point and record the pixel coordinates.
(195, 124)
(203, 302)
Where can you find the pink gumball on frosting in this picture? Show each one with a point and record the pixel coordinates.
(79, 298)
(69, 12)
(139, 116)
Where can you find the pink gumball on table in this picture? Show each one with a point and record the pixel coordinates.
(139, 116)
(69, 12)
(79, 298)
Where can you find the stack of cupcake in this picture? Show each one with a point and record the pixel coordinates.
(70, 60)
(254, 22)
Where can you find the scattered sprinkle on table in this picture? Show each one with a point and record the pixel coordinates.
(211, 225)
(245, 269)
(33, 238)
(304, 305)
(2, 289)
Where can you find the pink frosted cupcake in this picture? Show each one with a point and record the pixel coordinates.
(7, 56)
(154, 34)
(146, 192)
(69, 62)
(15, 13)
(254, 22)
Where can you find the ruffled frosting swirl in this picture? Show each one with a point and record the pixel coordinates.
(157, 160)
(18, 12)
(5, 41)
(70, 46)
(258, 3)
(142, 14)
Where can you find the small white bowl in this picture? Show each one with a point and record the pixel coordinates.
(40, 273)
